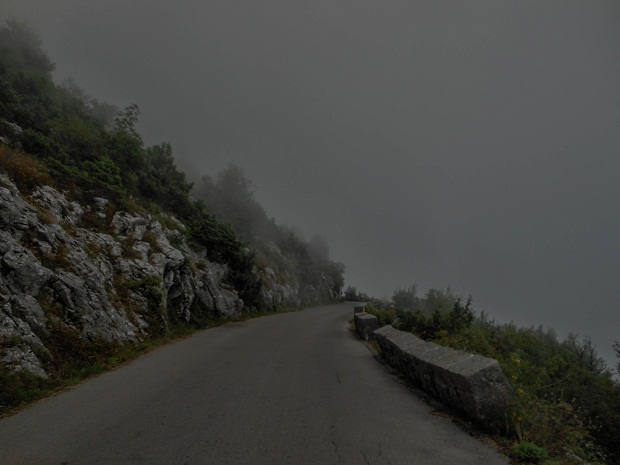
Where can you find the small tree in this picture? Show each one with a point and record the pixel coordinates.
(461, 316)
(585, 353)
(105, 176)
(163, 183)
(126, 119)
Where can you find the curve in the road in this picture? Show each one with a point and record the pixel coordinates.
(295, 388)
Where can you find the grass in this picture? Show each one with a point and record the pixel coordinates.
(26, 171)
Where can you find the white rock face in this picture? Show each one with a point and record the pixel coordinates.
(118, 286)
(121, 281)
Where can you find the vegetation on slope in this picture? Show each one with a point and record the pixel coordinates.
(569, 403)
(92, 149)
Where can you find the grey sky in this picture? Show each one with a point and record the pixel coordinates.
(447, 143)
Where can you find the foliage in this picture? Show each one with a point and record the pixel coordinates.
(163, 183)
(564, 406)
(585, 353)
(20, 387)
(68, 349)
(79, 137)
(385, 316)
(223, 246)
(26, 171)
(460, 317)
(126, 119)
(528, 451)
(569, 404)
(105, 176)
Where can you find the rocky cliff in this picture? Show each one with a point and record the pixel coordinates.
(103, 275)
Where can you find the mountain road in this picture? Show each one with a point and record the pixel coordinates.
(292, 388)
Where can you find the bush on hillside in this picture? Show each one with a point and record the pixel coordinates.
(569, 403)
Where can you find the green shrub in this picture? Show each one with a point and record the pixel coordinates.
(20, 387)
(26, 171)
(104, 174)
(384, 316)
(530, 452)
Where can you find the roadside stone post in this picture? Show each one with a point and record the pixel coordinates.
(365, 325)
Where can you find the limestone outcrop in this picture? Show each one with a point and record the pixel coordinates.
(101, 274)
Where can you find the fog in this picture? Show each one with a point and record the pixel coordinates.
(445, 143)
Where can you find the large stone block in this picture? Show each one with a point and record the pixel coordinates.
(365, 325)
(470, 383)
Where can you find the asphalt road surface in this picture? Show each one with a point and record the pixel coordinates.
(294, 388)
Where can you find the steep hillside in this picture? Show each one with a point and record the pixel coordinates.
(101, 245)
(74, 271)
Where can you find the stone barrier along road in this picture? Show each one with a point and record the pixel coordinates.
(365, 325)
(296, 388)
(469, 383)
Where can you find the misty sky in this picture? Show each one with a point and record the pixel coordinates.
(445, 143)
